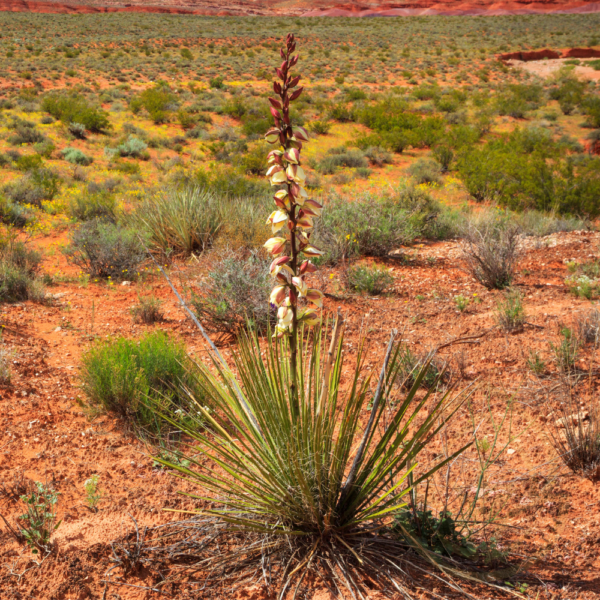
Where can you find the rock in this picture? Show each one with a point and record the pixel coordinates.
(126, 283)
(573, 419)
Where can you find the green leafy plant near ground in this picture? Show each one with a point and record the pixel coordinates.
(372, 280)
(39, 522)
(510, 312)
(93, 495)
(121, 375)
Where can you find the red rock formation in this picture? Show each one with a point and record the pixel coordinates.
(319, 8)
(527, 56)
(581, 53)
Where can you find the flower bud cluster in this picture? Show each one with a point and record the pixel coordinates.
(293, 220)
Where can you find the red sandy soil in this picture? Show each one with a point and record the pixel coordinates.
(307, 8)
(46, 434)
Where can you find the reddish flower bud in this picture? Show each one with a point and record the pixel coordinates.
(280, 74)
(277, 87)
(275, 103)
(296, 94)
(307, 267)
(275, 113)
(294, 60)
(282, 53)
(294, 82)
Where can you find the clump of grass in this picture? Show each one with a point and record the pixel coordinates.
(576, 438)
(535, 363)
(147, 311)
(462, 302)
(181, 220)
(235, 293)
(566, 351)
(372, 280)
(510, 313)
(121, 375)
(588, 327)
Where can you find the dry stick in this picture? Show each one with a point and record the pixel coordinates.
(376, 401)
(465, 340)
(211, 344)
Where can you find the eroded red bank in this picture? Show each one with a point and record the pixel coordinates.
(319, 8)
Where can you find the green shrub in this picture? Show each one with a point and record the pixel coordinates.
(89, 206)
(320, 127)
(18, 271)
(105, 250)
(341, 157)
(74, 108)
(425, 170)
(157, 102)
(133, 147)
(122, 375)
(373, 225)
(76, 156)
(33, 188)
(371, 280)
(235, 293)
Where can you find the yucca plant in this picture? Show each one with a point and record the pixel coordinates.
(310, 484)
(298, 475)
(181, 220)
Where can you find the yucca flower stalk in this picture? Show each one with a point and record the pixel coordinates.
(295, 214)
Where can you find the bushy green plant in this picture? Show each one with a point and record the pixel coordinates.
(341, 157)
(18, 271)
(76, 156)
(233, 294)
(372, 280)
(157, 101)
(37, 185)
(74, 108)
(425, 170)
(122, 375)
(373, 225)
(87, 206)
(39, 522)
(105, 250)
(439, 534)
(132, 147)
